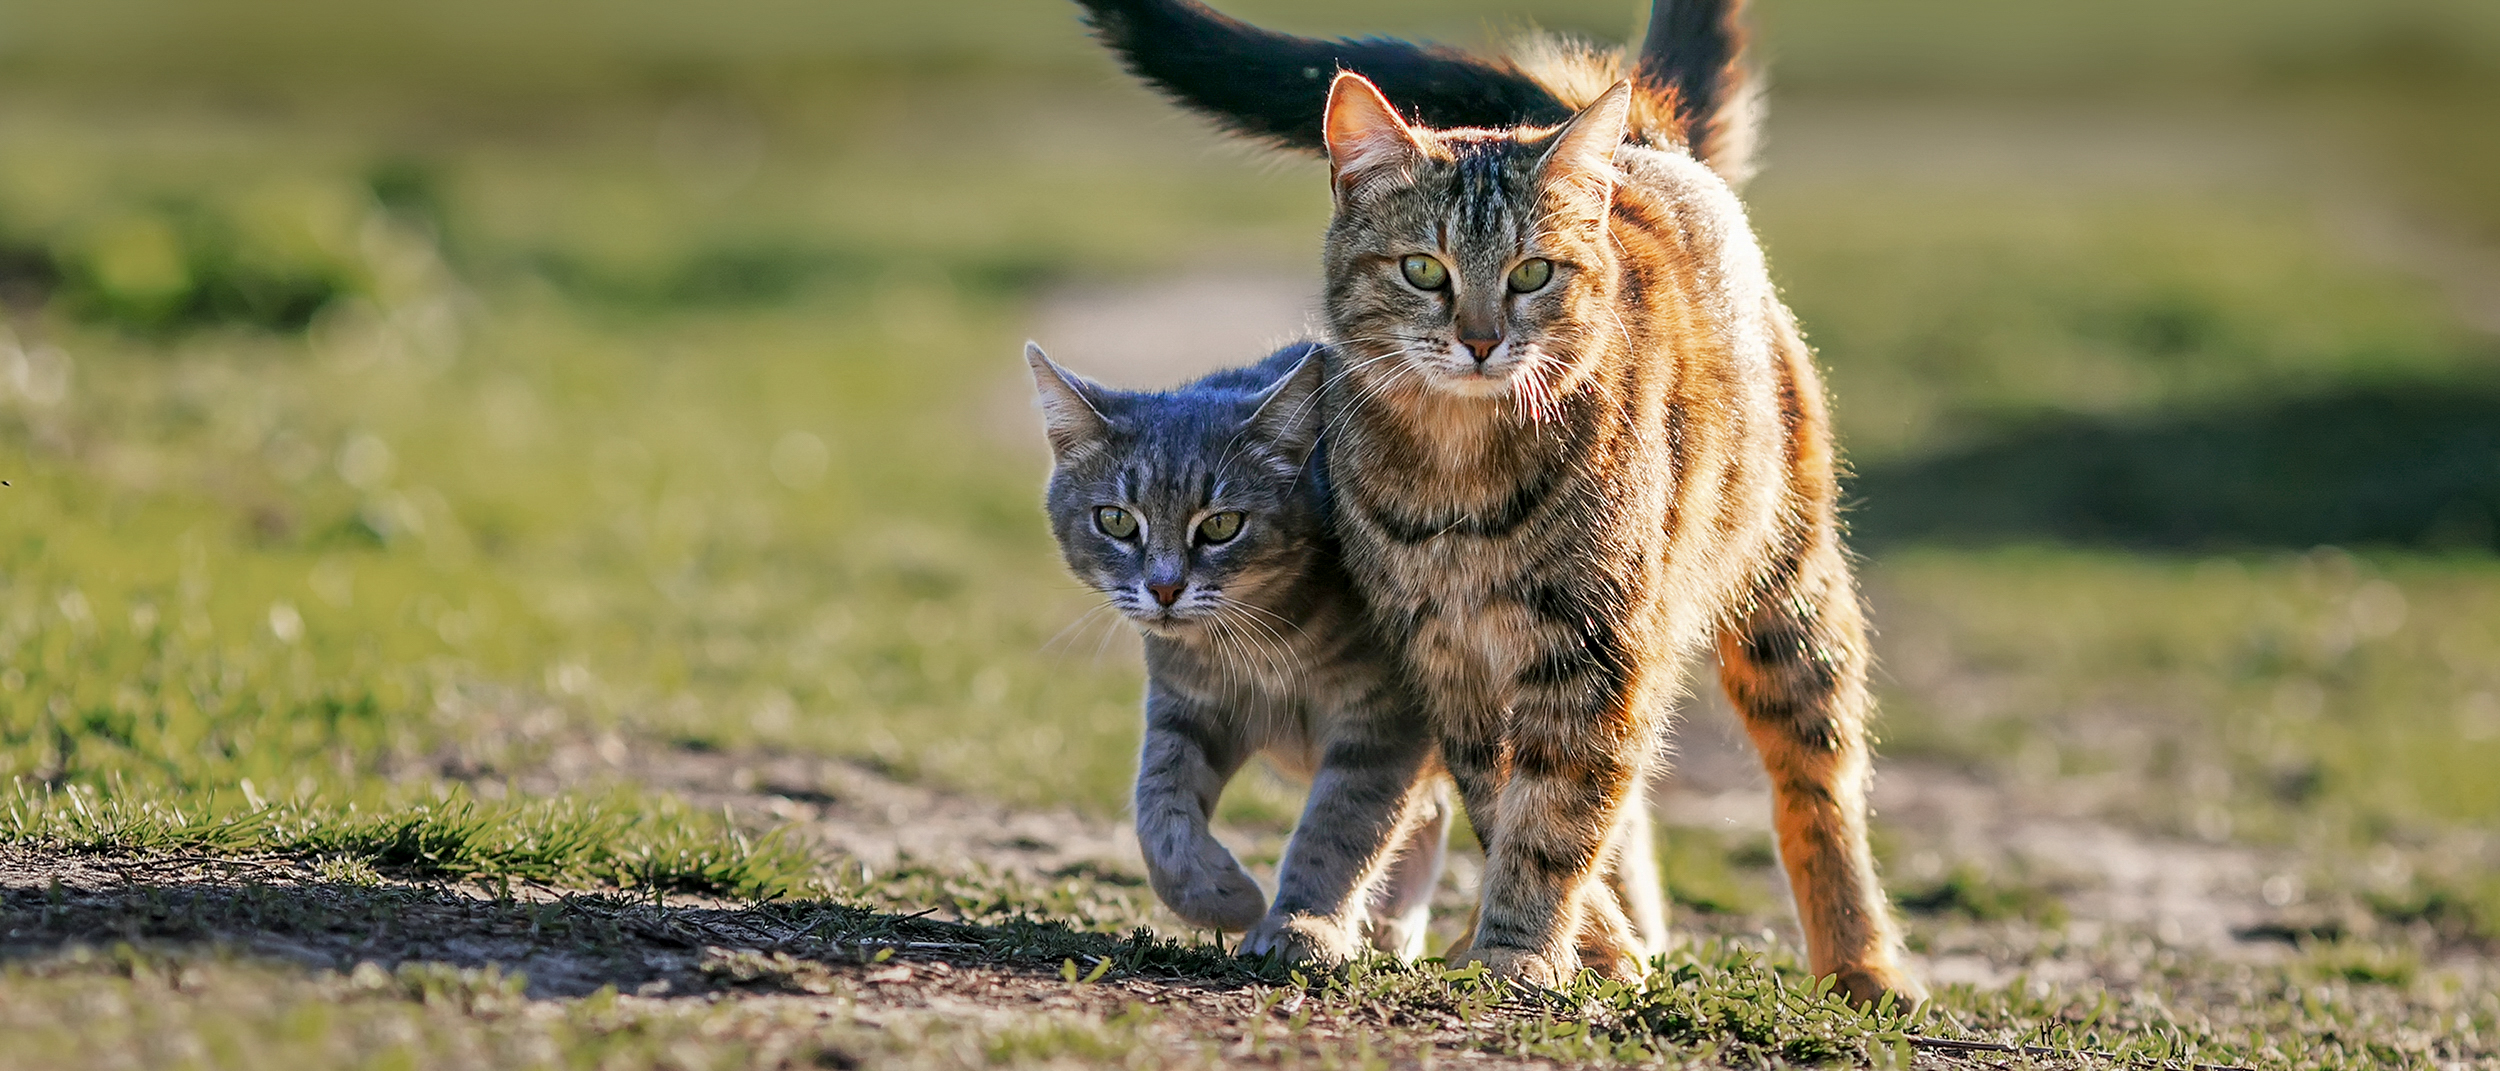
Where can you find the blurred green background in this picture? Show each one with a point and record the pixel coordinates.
(390, 392)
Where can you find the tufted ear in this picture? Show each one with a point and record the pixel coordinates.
(1580, 164)
(1366, 139)
(1289, 412)
(1071, 411)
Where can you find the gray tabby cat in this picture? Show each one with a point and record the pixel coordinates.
(1202, 515)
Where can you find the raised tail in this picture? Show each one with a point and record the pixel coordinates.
(1691, 75)
(1275, 85)
(1695, 51)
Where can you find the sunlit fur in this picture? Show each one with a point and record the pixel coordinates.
(1266, 650)
(1640, 471)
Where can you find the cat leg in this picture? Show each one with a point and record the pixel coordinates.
(1361, 804)
(1607, 941)
(1190, 752)
(1795, 667)
(1471, 751)
(1606, 936)
(1632, 876)
(1579, 737)
(1400, 905)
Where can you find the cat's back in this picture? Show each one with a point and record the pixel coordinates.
(1256, 377)
(1697, 282)
(1679, 214)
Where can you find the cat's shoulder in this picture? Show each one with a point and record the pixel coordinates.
(1683, 203)
(1672, 175)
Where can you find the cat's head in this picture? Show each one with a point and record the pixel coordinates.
(1470, 262)
(1182, 506)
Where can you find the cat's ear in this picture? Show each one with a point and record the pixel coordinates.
(1366, 139)
(1071, 409)
(1580, 164)
(1288, 413)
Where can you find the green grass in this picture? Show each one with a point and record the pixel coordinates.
(2319, 691)
(654, 845)
(1711, 1005)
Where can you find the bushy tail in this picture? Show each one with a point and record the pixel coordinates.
(1694, 86)
(1695, 51)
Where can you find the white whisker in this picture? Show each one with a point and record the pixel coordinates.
(1274, 654)
(1080, 620)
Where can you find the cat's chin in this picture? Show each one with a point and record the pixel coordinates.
(1169, 628)
(1474, 384)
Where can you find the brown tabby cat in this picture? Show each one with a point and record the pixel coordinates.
(1581, 438)
(1576, 438)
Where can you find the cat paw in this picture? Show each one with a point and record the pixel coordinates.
(1609, 945)
(1865, 986)
(1229, 908)
(1301, 940)
(1622, 965)
(1401, 937)
(1545, 970)
(1217, 899)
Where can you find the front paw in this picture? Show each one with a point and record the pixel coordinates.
(1547, 969)
(1223, 899)
(1864, 986)
(1302, 940)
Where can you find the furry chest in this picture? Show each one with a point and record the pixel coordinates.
(1474, 640)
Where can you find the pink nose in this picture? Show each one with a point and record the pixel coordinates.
(1481, 347)
(1166, 594)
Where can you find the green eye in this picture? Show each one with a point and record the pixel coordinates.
(1220, 527)
(1425, 272)
(1531, 275)
(1115, 522)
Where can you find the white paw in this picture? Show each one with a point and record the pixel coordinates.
(1404, 936)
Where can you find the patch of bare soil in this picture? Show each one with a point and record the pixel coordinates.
(854, 811)
(896, 983)
(2111, 883)
(2066, 840)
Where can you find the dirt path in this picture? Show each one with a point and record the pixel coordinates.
(2111, 882)
(897, 982)
(891, 983)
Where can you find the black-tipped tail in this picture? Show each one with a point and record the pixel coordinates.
(1275, 85)
(1696, 49)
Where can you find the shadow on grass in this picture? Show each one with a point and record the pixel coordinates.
(2414, 466)
(565, 944)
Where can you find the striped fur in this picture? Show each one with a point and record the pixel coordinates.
(1555, 494)
(1267, 650)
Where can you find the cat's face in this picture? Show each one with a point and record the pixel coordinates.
(1184, 508)
(1467, 262)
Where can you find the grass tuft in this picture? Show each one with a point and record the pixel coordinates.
(620, 842)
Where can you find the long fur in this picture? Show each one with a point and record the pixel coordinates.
(1554, 492)
(1693, 85)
